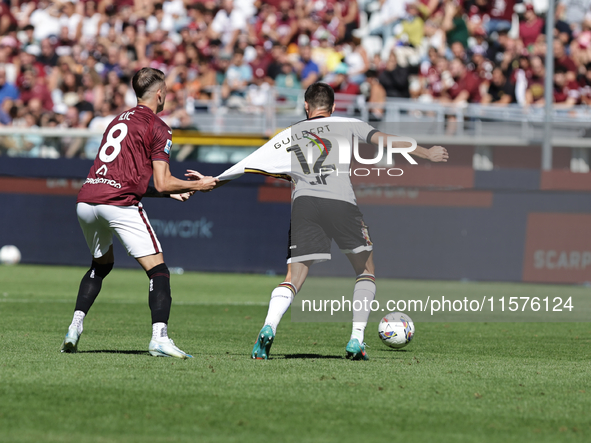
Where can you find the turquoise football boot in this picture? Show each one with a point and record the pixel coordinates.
(263, 344)
(356, 350)
(70, 344)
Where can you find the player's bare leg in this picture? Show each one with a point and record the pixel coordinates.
(281, 298)
(89, 289)
(160, 302)
(363, 294)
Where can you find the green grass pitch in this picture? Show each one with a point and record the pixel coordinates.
(456, 382)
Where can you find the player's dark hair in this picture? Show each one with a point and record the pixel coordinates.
(144, 79)
(319, 96)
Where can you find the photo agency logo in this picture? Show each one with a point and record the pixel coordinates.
(386, 148)
(353, 150)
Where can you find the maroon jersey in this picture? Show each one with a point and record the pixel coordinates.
(502, 9)
(123, 165)
(469, 82)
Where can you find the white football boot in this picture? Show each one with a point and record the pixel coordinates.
(165, 347)
(70, 343)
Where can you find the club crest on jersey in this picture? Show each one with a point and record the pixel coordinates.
(168, 146)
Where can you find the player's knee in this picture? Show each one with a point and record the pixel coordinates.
(160, 270)
(101, 270)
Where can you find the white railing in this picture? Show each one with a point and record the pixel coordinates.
(483, 126)
(286, 106)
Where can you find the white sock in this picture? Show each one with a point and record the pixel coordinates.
(358, 330)
(159, 331)
(78, 321)
(364, 292)
(281, 299)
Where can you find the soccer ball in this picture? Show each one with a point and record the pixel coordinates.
(396, 330)
(10, 255)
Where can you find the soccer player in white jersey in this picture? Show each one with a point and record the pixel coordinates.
(323, 205)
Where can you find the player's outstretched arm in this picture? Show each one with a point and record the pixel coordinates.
(151, 192)
(434, 154)
(182, 197)
(195, 175)
(165, 183)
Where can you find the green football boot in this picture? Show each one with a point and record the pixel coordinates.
(263, 344)
(356, 350)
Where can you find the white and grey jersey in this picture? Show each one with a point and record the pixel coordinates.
(314, 154)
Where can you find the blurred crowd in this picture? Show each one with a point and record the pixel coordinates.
(67, 64)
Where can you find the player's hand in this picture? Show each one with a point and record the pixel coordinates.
(206, 184)
(193, 175)
(182, 197)
(438, 154)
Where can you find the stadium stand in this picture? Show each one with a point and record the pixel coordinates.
(241, 66)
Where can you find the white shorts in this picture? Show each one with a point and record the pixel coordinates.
(129, 223)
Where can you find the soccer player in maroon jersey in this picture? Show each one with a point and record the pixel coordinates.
(135, 146)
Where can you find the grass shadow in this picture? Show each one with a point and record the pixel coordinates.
(113, 351)
(311, 356)
(393, 350)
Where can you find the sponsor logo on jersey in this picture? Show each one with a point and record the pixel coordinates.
(316, 140)
(102, 170)
(102, 181)
(168, 146)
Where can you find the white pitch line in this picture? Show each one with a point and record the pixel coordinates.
(127, 302)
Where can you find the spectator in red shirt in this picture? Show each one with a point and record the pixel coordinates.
(431, 74)
(276, 24)
(535, 84)
(478, 14)
(585, 87)
(467, 84)
(501, 13)
(530, 28)
(348, 13)
(285, 23)
(35, 87)
(261, 63)
(480, 65)
(562, 60)
(8, 22)
(341, 84)
(566, 92)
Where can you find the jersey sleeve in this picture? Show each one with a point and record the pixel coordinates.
(364, 131)
(267, 160)
(161, 142)
(234, 171)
